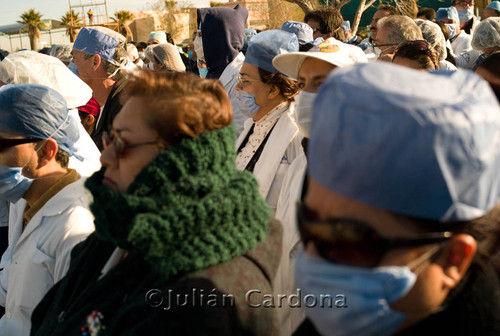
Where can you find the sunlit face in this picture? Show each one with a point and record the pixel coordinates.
(382, 42)
(131, 126)
(373, 25)
(252, 83)
(83, 66)
(427, 293)
(312, 73)
(488, 12)
(316, 29)
(153, 41)
(157, 65)
(463, 4)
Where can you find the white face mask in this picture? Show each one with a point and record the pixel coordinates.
(151, 66)
(303, 111)
(198, 47)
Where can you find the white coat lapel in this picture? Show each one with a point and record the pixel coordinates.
(270, 159)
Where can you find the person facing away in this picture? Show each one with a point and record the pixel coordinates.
(50, 213)
(399, 217)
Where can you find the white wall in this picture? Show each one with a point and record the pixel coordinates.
(56, 36)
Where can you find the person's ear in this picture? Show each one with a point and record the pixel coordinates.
(273, 92)
(456, 258)
(47, 152)
(96, 62)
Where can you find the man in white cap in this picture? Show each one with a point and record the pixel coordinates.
(50, 214)
(399, 218)
(310, 69)
(100, 57)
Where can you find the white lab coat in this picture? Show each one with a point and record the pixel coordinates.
(461, 43)
(282, 147)
(290, 318)
(229, 82)
(39, 257)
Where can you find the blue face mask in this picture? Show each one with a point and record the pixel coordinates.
(13, 184)
(203, 72)
(246, 104)
(72, 66)
(465, 15)
(452, 29)
(367, 294)
(190, 54)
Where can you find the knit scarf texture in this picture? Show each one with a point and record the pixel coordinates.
(187, 210)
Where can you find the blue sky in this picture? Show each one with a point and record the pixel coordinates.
(54, 9)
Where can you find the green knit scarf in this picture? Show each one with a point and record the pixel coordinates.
(188, 209)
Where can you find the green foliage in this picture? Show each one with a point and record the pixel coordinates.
(32, 20)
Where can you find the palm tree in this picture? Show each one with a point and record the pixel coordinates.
(70, 20)
(33, 22)
(122, 17)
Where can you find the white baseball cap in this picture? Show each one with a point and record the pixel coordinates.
(331, 51)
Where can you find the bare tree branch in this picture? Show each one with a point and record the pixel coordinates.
(305, 5)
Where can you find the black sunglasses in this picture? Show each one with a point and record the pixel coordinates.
(6, 143)
(119, 144)
(350, 242)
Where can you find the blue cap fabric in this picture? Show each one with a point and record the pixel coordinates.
(494, 5)
(346, 26)
(381, 135)
(98, 40)
(264, 46)
(160, 36)
(302, 30)
(33, 110)
(447, 13)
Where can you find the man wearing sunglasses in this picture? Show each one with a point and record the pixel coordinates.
(400, 213)
(49, 213)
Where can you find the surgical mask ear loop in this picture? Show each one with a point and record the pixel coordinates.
(418, 264)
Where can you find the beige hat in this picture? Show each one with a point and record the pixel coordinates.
(331, 51)
(168, 55)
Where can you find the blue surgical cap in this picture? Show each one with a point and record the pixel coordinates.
(303, 31)
(392, 138)
(159, 36)
(447, 13)
(264, 46)
(494, 5)
(98, 40)
(346, 26)
(36, 111)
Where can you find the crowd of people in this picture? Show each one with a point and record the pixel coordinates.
(295, 181)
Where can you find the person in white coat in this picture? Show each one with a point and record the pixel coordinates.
(38, 137)
(270, 140)
(310, 69)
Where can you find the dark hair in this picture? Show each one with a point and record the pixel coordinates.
(485, 230)
(427, 59)
(62, 157)
(287, 87)
(392, 10)
(180, 104)
(491, 64)
(330, 20)
(427, 12)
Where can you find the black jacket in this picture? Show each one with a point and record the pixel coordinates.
(109, 112)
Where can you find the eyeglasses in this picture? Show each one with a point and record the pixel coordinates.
(6, 143)
(120, 145)
(465, 3)
(244, 81)
(350, 242)
(419, 46)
